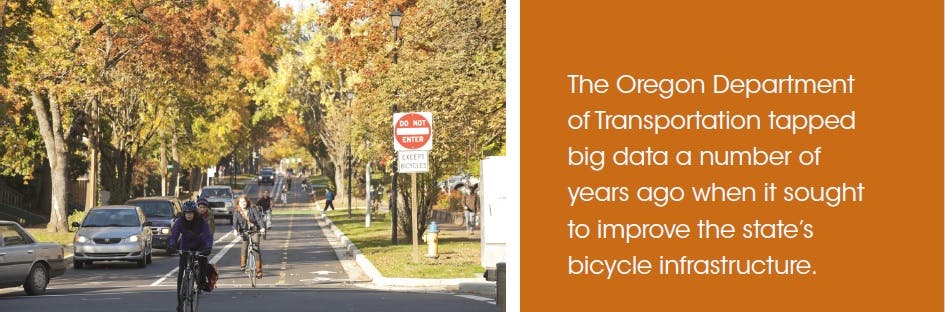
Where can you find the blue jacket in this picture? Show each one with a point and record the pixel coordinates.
(329, 195)
(190, 240)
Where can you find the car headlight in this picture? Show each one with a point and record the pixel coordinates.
(165, 231)
(81, 239)
(134, 238)
(229, 204)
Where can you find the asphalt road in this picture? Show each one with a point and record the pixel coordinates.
(302, 273)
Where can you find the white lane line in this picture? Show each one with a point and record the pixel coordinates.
(214, 260)
(477, 298)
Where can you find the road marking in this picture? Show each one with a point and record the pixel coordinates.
(477, 298)
(285, 251)
(322, 272)
(213, 261)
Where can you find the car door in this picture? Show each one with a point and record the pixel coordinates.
(16, 254)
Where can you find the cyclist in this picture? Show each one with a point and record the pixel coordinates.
(191, 233)
(266, 203)
(285, 194)
(203, 211)
(245, 220)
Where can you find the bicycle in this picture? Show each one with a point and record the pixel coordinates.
(268, 216)
(252, 256)
(190, 291)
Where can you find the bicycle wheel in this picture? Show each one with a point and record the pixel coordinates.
(183, 291)
(251, 262)
(252, 270)
(195, 295)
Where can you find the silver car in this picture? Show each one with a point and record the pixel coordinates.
(221, 200)
(113, 233)
(24, 261)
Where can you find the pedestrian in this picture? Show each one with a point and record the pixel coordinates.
(329, 196)
(203, 210)
(248, 220)
(471, 205)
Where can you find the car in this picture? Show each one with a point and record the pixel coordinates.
(161, 212)
(221, 200)
(27, 262)
(267, 176)
(113, 233)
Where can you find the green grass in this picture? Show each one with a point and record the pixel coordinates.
(43, 236)
(318, 180)
(459, 255)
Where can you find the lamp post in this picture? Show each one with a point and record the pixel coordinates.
(395, 18)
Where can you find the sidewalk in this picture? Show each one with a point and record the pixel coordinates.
(346, 250)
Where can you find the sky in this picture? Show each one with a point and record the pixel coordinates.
(296, 5)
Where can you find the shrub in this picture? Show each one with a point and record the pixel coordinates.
(76, 216)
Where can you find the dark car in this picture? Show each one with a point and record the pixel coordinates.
(267, 176)
(161, 212)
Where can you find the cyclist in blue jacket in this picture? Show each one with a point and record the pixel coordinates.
(191, 233)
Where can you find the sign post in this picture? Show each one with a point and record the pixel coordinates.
(413, 139)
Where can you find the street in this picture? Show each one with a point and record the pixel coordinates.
(302, 273)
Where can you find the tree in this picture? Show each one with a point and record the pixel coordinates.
(452, 63)
(310, 94)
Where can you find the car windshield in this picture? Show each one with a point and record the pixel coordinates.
(216, 192)
(266, 173)
(111, 218)
(156, 209)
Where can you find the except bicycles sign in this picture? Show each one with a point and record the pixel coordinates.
(413, 131)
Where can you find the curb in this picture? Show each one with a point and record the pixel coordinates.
(468, 285)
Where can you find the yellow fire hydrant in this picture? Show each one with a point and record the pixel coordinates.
(432, 237)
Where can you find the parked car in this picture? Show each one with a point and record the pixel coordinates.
(267, 176)
(27, 262)
(161, 212)
(221, 200)
(113, 233)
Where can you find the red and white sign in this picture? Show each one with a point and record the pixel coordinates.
(413, 131)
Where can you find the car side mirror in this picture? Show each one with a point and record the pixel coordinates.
(75, 224)
(147, 223)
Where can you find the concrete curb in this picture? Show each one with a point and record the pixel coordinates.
(467, 285)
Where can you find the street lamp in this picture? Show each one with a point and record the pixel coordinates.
(395, 18)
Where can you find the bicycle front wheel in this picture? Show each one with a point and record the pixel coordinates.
(252, 270)
(195, 298)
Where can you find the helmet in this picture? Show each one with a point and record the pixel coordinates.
(190, 206)
(203, 201)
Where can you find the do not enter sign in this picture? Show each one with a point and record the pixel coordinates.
(413, 131)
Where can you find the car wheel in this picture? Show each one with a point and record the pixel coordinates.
(78, 264)
(37, 280)
(143, 262)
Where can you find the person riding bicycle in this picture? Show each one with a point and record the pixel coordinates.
(285, 194)
(266, 203)
(203, 211)
(245, 220)
(191, 233)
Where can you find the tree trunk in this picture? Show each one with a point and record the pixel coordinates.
(176, 158)
(91, 188)
(50, 127)
(340, 190)
(163, 166)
